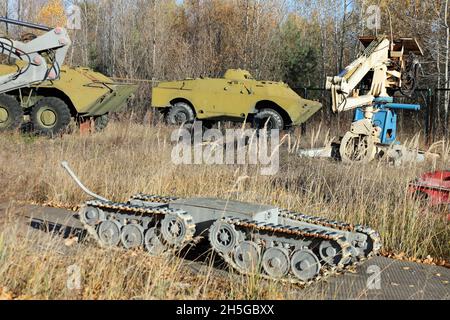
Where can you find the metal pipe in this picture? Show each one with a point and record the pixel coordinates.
(402, 106)
(25, 24)
(66, 166)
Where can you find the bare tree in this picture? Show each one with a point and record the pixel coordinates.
(446, 77)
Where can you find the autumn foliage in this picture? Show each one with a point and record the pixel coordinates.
(53, 14)
(300, 42)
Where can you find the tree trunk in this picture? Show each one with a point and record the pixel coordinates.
(19, 10)
(342, 40)
(246, 43)
(438, 92)
(6, 15)
(154, 44)
(447, 84)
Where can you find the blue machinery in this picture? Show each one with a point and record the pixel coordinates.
(385, 117)
(390, 65)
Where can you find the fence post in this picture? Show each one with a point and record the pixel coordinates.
(431, 100)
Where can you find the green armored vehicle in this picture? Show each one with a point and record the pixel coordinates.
(79, 93)
(34, 83)
(236, 97)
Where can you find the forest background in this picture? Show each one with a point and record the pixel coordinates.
(300, 42)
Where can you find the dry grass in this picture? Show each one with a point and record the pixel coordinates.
(36, 265)
(130, 158)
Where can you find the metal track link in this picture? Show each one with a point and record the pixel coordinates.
(252, 227)
(281, 230)
(129, 208)
(153, 198)
(135, 210)
(374, 235)
(376, 240)
(317, 220)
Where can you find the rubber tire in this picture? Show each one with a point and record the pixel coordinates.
(101, 122)
(61, 110)
(15, 113)
(180, 107)
(261, 117)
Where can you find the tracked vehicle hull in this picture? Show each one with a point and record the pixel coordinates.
(252, 239)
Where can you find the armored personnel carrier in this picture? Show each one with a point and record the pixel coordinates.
(34, 83)
(251, 238)
(80, 94)
(235, 97)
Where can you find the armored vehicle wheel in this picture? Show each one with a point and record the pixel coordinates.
(181, 113)
(270, 118)
(101, 122)
(109, 233)
(247, 256)
(305, 265)
(276, 262)
(91, 216)
(330, 252)
(177, 229)
(223, 237)
(50, 116)
(11, 113)
(152, 243)
(132, 236)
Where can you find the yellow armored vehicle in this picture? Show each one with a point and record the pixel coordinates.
(34, 83)
(79, 93)
(235, 97)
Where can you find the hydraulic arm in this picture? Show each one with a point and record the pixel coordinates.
(37, 89)
(37, 60)
(385, 66)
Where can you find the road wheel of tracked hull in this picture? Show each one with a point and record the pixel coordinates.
(181, 113)
(247, 256)
(101, 122)
(177, 229)
(305, 265)
(132, 236)
(153, 243)
(268, 118)
(109, 233)
(223, 237)
(357, 148)
(276, 262)
(11, 113)
(50, 116)
(330, 253)
(91, 216)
